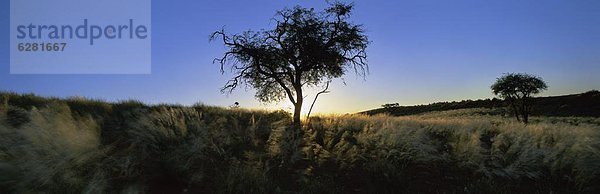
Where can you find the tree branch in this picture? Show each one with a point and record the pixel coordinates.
(315, 100)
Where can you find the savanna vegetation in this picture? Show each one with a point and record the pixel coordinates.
(78, 145)
(586, 104)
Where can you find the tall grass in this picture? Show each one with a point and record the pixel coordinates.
(442, 152)
(79, 145)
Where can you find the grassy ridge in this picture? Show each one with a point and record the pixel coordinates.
(583, 105)
(78, 145)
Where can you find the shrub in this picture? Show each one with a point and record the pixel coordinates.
(16, 116)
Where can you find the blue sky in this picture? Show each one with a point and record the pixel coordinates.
(421, 52)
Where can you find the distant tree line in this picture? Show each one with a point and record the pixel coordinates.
(584, 104)
(516, 90)
(397, 110)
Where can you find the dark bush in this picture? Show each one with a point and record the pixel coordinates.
(16, 116)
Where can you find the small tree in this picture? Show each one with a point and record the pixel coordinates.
(305, 49)
(390, 105)
(517, 89)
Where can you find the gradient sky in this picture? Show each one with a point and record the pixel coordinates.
(421, 52)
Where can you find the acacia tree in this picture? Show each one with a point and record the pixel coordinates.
(304, 49)
(517, 89)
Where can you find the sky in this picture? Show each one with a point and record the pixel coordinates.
(421, 51)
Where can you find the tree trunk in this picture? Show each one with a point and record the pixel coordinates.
(298, 105)
(525, 111)
(515, 110)
(517, 114)
(297, 112)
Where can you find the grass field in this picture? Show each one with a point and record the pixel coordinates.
(79, 145)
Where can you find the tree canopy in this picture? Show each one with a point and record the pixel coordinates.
(518, 85)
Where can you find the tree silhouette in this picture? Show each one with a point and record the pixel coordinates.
(517, 89)
(305, 49)
(390, 105)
